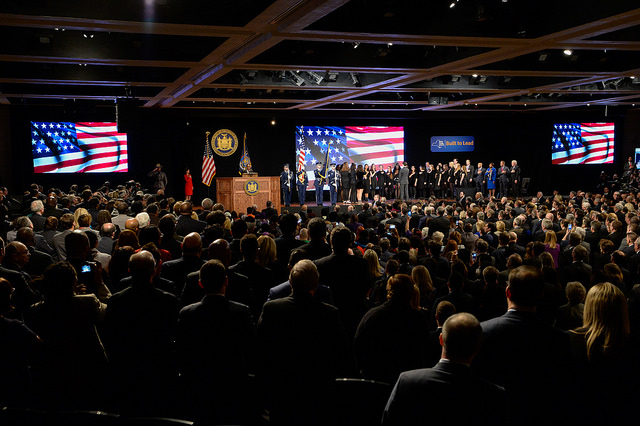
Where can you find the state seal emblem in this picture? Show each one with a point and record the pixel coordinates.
(251, 187)
(224, 142)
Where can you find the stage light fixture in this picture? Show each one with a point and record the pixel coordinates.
(356, 44)
(332, 76)
(317, 79)
(355, 79)
(568, 52)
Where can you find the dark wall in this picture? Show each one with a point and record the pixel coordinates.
(176, 139)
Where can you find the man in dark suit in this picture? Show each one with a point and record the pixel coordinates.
(480, 178)
(348, 278)
(302, 348)
(461, 300)
(440, 223)
(392, 337)
(215, 345)
(524, 354)
(261, 279)
(449, 393)
(503, 179)
(177, 270)
(285, 183)
(288, 225)
(37, 218)
(186, 224)
(139, 332)
(579, 269)
(38, 260)
(317, 247)
(322, 293)
(515, 179)
(269, 210)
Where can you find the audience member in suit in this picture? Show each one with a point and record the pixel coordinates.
(23, 295)
(260, 278)
(287, 242)
(107, 234)
(302, 348)
(139, 334)
(525, 355)
(569, 316)
(449, 393)
(66, 226)
(72, 360)
(440, 223)
(215, 344)
(434, 349)
(50, 230)
(461, 300)
(157, 281)
(186, 224)
(177, 270)
(38, 261)
(18, 343)
(579, 269)
(269, 210)
(392, 337)
(317, 247)
(238, 288)
(51, 207)
(79, 256)
(348, 278)
(37, 218)
(617, 232)
(16, 256)
(322, 293)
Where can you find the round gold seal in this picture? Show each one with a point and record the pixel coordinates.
(224, 142)
(251, 187)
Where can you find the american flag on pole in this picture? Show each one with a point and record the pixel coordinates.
(63, 147)
(582, 143)
(379, 145)
(208, 163)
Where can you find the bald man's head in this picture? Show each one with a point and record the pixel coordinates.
(220, 250)
(142, 267)
(132, 224)
(192, 244)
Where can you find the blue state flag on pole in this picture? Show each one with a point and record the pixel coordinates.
(245, 161)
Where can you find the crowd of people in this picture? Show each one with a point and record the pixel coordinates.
(479, 310)
(359, 183)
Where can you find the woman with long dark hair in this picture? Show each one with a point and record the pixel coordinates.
(352, 182)
(359, 183)
(345, 181)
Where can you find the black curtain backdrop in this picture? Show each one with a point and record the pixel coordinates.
(176, 139)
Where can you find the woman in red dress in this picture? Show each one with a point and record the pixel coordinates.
(188, 185)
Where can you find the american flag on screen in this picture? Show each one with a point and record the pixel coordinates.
(208, 163)
(78, 147)
(361, 145)
(582, 143)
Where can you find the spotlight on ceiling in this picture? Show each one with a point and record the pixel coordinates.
(389, 44)
(317, 79)
(295, 78)
(482, 79)
(452, 5)
(474, 75)
(332, 76)
(568, 52)
(88, 35)
(356, 44)
(355, 79)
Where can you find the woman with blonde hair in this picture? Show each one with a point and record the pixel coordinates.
(267, 257)
(76, 215)
(375, 270)
(551, 246)
(422, 278)
(605, 358)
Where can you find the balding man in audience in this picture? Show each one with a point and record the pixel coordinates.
(186, 224)
(107, 238)
(132, 224)
(449, 393)
(38, 260)
(524, 354)
(302, 348)
(215, 346)
(139, 333)
(177, 270)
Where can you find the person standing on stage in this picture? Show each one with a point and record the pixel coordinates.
(515, 179)
(388, 184)
(159, 178)
(366, 184)
(352, 183)
(421, 182)
(302, 180)
(346, 182)
(480, 179)
(359, 183)
(319, 175)
(380, 179)
(503, 179)
(403, 181)
(491, 180)
(429, 180)
(333, 179)
(469, 175)
(188, 185)
(285, 184)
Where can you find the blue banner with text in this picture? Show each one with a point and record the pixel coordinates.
(452, 143)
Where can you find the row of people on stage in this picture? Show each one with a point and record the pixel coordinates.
(360, 183)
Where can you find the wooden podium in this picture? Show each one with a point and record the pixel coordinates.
(230, 191)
